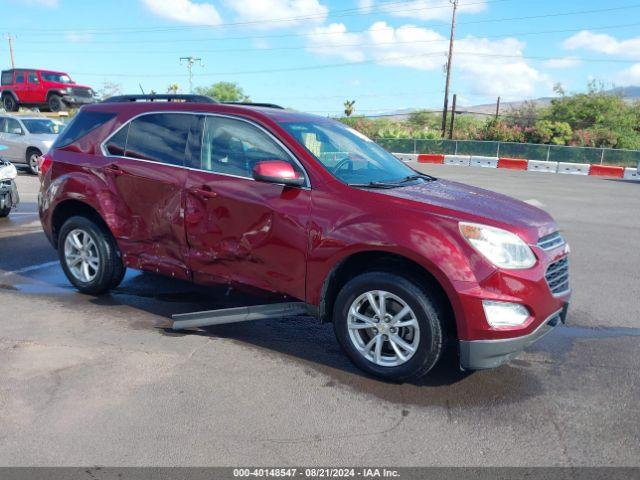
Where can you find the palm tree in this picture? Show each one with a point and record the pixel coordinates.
(348, 107)
(173, 88)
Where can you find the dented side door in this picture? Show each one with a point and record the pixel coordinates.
(243, 231)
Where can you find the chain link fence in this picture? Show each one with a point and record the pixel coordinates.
(528, 151)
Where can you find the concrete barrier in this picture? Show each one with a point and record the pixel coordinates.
(542, 166)
(460, 160)
(431, 158)
(606, 171)
(631, 174)
(512, 163)
(407, 157)
(485, 162)
(573, 168)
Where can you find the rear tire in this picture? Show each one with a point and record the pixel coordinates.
(410, 343)
(9, 103)
(4, 212)
(89, 256)
(33, 158)
(55, 103)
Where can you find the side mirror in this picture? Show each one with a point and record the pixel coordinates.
(277, 171)
(16, 131)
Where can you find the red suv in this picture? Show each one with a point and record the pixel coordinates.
(402, 263)
(41, 88)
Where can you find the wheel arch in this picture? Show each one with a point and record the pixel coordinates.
(11, 93)
(70, 208)
(392, 262)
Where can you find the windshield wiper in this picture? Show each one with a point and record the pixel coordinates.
(418, 176)
(375, 185)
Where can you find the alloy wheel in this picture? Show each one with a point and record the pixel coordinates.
(81, 255)
(383, 328)
(34, 159)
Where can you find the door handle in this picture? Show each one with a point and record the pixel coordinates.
(115, 169)
(204, 191)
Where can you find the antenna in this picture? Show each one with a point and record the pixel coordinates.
(190, 62)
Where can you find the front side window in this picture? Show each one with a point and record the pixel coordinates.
(347, 154)
(233, 147)
(55, 77)
(13, 126)
(159, 137)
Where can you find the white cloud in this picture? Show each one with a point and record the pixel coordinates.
(603, 43)
(630, 76)
(365, 5)
(78, 37)
(334, 40)
(488, 67)
(43, 3)
(261, 10)
(562, 63)
(185, 11)
(432, 9)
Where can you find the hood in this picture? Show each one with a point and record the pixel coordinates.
(479, 205)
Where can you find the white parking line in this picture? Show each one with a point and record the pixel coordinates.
(31, 268)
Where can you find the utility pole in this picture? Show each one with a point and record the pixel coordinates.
(190, 62)
(449, 59)
(498, 108)
(453, 116)
(10, 38)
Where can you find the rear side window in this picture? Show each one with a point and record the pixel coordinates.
(7, 78)
(19, 77)
(33, 78)
(82, 123)
(159, 137)
(117, 143)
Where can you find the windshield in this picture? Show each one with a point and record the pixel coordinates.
(41, 126)
(55, 77)
(347, 154)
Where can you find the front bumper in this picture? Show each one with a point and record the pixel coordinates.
(482, 354)
(77, 100)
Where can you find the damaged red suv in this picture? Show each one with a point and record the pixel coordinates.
(402, 263)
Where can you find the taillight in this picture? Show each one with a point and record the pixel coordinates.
(45, 164)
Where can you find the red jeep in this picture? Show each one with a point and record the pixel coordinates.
(41, 88)
(402, 263)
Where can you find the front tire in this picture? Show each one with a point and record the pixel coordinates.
(55, 103)
(89, 256)
(33, 159)
(389, 326)
(4, 212)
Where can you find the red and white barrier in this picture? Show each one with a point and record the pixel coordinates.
(610, 171)
(512, 163)
(407, 157)
(606, 171)
(542, 166)
(459, 160)
(431, 158)
(573, 168)
(484, 162)
(631, 174)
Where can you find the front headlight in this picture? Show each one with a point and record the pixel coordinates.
(503, 249)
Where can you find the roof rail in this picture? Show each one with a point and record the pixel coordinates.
(252, 104)
(170, 97)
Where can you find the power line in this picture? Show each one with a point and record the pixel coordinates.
(383, 8)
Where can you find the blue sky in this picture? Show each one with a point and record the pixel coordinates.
(314, 54)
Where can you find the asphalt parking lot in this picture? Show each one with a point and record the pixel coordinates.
(101, 381)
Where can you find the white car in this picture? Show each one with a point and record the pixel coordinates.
(27, 138)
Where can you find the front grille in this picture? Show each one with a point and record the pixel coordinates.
(549, 242)
(557, 276)
(81, 92)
